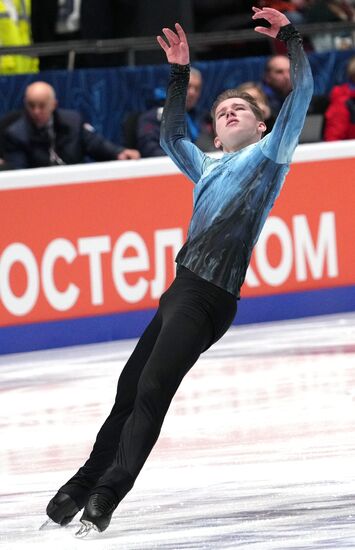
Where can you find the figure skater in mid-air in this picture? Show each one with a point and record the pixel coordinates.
(232, 198)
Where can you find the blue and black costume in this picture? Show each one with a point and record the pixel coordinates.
(232, 198)
(233, 195)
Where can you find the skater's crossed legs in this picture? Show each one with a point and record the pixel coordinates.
(192, 315)
(181, 340)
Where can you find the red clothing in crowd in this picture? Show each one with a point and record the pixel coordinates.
(340, 115)
(280, 5)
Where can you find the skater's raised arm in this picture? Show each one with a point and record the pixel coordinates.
(173, 133)
(280, 144)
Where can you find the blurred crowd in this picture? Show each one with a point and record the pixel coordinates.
(40, 21)
(45, 134)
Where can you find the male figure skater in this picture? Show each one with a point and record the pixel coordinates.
(232, 198)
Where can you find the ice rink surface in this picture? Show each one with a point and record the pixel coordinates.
(257, 451)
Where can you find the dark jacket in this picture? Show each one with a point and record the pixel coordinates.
(199, 129)
(71, 140)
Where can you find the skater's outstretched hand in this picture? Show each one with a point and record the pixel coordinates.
(274, 17)
(177, 49)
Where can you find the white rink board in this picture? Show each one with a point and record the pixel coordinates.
(83, 173)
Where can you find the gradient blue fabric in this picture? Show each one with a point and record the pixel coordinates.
(233, 195)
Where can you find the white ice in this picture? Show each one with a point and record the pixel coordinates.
(257, 451)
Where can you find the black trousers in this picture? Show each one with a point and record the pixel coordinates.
(192, 315)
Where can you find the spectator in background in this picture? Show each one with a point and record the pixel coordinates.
(59, 20)
(15, 30)
(55, 19)
(6, 121)
(293, 9)
(255, 90)
(330, 10)
(144, 18)
(340, 115)
(221, 15)
(199, 125)
(276, 82)
(47, 136)
(105, 19)
(227, 15)
(68, 18)
(102, 20)
(276, 85)
(320, 11)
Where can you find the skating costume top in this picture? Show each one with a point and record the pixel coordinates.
(234, 194)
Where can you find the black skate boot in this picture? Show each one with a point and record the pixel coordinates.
(97, 513)
(62, 508)
(68, 501)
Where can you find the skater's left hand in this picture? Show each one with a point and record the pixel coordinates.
(177, 49)
(274, 17)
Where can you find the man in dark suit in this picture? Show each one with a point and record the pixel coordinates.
(199, 123)
(47, 136)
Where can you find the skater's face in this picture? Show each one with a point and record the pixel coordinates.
(236, 125)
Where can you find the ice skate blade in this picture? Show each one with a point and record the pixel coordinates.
(85, 529)
(48, 524)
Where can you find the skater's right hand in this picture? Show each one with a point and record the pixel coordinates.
(177, 49)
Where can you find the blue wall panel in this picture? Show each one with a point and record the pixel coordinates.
(105, 96)
(88, 330)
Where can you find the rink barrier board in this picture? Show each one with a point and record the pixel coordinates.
(83, 331)
(328, 184)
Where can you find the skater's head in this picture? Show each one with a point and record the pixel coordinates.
(238, 120)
